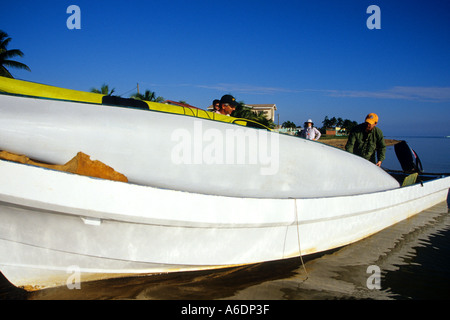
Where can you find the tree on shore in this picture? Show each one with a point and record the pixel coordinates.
(6, 55)
(103, 90)
(329, 123)
(349, 124)
(242, 111)
(147, 96)
(289, 124)
(338, 122)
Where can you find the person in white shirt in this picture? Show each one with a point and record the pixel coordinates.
(310, 132)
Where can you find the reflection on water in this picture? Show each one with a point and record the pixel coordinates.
(412, 256)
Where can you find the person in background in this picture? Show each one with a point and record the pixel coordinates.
(216, 106)
(367, 141)
(310, 132)
(227, 104)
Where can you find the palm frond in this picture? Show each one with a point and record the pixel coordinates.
(6, 55)
(15, 64)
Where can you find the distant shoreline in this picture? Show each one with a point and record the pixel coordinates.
(340, 143)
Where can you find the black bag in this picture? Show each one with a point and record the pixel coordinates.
(124, 102)
(408, 158)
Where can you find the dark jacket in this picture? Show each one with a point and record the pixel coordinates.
(370, 146)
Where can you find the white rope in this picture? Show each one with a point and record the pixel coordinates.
(298, 239)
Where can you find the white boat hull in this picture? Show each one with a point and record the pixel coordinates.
(56, 223)
(203, 194)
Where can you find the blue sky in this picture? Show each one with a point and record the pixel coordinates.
(311, 58)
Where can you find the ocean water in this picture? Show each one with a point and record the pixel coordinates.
(410, 258)
(434, 153)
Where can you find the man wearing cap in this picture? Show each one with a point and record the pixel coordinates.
(310, 132)
(367, 141)
(228, 104)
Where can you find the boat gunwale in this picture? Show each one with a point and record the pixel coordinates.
(288, 221)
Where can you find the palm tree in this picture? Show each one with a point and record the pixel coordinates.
(242, 111)
(261, 118)
(103, 90)
(147, 96)
(288, 124)
(348, 125)
(329, 123)
(6, 55)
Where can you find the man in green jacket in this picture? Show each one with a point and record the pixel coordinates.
(367, 141)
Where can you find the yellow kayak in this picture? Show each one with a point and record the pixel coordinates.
(32, 89)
